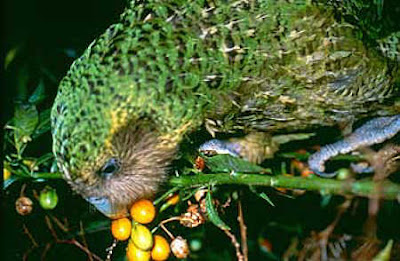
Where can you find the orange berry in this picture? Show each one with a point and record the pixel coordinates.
(265, 245)
(282, 190)
(173, 200)
(121, 228)
(305, 173)
(200, 164)
(136, 254)
(161, 250)
(143, 211)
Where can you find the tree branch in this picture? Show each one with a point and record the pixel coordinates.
(364, 188)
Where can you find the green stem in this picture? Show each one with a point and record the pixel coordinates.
(365, 188)
(45, 175)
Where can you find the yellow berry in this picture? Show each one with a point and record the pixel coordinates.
(141, 237)
(161, 250)
(173, 200)
(31, 164)
(135, 254)
(121, 228)
(143, 211)
(6, 174)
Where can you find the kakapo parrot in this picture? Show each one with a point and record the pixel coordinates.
(171, 67)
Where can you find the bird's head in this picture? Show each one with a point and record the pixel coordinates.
(111, 165)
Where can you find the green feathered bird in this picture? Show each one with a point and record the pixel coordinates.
(170, 67)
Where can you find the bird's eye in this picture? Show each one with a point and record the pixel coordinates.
(110, 167)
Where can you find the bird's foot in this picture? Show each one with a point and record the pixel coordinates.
(254, 147)
(215, 147)
(373, 132)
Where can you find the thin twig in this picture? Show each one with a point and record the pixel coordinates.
(50, 226)
(110, 249)
(34, 243)
(85, 244)
(235, 243)
(22, 192)
(161, 224)
(384, 162)
(26, 231)
(59, 224)
(243, 232)
(325, 234)
(167, 231)
(72, 241)
(81, 247)
(46, 249)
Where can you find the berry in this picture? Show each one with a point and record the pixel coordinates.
(180, 247)
(48, 198)
(161, 250)
(121, 228)
(135, 254)
(24, 206)
(143, 211)
(141, 237)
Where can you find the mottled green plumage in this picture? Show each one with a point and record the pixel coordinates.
(170, 67)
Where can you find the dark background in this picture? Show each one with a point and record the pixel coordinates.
(49, 36)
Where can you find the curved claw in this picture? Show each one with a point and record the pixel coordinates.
(360, 169)
(372, 132)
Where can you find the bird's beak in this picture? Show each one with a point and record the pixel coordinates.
(104, 205)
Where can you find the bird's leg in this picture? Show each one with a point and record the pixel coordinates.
(373, 132)
(254, 147)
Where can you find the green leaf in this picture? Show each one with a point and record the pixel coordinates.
(325, 200)
(213, 214)
(25, 121)
(262, 195)
(165, 195)
(379, 7)
(44, 158)
(10, 56)
(9, 181)
(226, 163)
(38, 95)
(44, 124)
(96, 226)
(295, 155)
(22, 82)
(384, 254)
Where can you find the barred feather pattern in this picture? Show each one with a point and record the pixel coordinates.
(175, 65)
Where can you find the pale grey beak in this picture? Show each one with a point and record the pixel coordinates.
(104, 205)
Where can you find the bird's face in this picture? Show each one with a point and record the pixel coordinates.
(130, 166)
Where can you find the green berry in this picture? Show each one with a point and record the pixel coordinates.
(48, 198)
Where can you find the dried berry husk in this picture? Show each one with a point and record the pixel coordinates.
(180, 248)
(24, 206)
